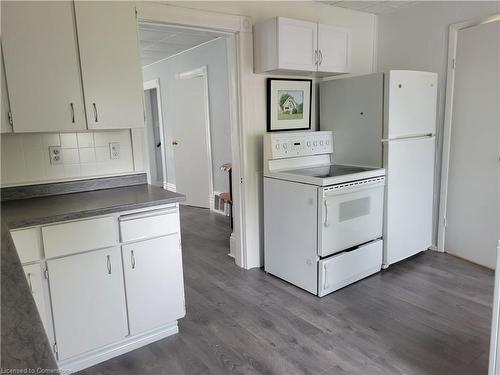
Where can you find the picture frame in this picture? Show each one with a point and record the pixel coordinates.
(288, 104)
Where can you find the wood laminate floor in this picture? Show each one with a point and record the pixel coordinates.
(426, 315)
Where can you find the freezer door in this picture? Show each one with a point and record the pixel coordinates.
(352, 108)
(410, 103)
(409, 197)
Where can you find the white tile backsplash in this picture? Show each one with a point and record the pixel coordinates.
(68, 140)
(87, 155)
(85, 139)
(25, 157)
(70, 156)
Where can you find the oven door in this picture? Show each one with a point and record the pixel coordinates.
(350, 214)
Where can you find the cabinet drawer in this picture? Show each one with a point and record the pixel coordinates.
(149, 224)
(28, 244)
(345, 268)
(78, 236)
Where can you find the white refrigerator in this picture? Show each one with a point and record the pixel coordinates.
(389, 120)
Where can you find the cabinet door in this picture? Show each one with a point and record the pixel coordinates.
(88, 301)
(5, 123)
(297, 44)
(35, 279)
(111, 69)
(42, 67)
(334, 49)
(154, 282)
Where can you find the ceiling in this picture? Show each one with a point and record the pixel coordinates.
(374, 7)
(158, 42)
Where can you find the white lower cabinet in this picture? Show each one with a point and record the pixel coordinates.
(88, 301)
(153, 283)
(38, 288)
(102, 295)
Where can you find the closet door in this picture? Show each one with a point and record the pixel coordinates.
(111, 69)
(42, 67)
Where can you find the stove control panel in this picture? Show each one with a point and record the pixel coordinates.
(289, 145)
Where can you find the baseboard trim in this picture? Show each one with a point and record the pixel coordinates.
(171, 186)
(233, 244)
(94, 357)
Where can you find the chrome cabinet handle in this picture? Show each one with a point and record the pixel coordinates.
(29, 282)
(108, 264)
(132, 259)
(72, 112)
(320, 57)
(326, 214)
(96, 118)
(315, 57)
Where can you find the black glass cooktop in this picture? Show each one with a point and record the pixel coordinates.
(325, 171)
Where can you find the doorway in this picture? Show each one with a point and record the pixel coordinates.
(470, 206)
(192, 152)
(154, 133)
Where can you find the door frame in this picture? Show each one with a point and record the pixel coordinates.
(245, 241)
(450, 85)
(154, 84)
(203, 73)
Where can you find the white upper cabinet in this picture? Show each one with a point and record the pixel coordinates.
(333, 49)
(284, 45)
(42, 68)
(297, 42)
(111, 70)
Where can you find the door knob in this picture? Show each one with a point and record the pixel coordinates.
(174, 143)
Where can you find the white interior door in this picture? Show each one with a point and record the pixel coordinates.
(472, 224)
(191, 138)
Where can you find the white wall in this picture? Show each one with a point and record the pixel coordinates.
(416, 38)
(25, 157)
(214, 56)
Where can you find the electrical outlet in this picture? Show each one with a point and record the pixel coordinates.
(55, 155)
(114, 150)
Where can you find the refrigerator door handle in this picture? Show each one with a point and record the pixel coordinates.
(409, 138)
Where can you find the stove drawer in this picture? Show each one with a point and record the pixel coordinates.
(348, 267)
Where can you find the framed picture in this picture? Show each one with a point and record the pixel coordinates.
(288, 104)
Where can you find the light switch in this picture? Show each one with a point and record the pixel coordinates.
(114, 150)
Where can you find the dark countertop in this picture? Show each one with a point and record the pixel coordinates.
(24, 343)
(44, 210)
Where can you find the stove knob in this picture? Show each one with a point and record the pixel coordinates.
(315, 143)
(284, 145)
(327, 142)
(321, 143)
(308, 144)
(277, 146)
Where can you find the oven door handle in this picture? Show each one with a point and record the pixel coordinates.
(326, 223)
